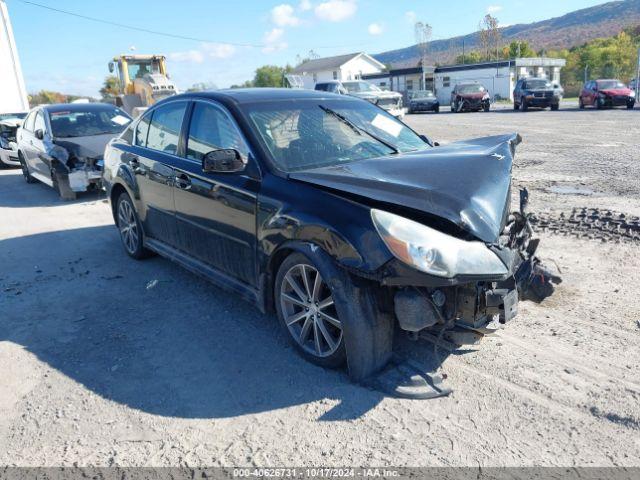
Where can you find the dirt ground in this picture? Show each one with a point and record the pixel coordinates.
(102, 365)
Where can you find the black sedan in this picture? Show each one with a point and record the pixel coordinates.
(423, 101)
(328, 211)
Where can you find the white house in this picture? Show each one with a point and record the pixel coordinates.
(499, 78)
(342, 67)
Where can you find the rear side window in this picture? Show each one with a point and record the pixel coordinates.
(39, 122)
(28, 123)
(322, 87)
(142, 130)
(164, 131)
(212, 129)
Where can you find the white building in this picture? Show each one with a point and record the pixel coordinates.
(499, 78)
(13, 95)
(343, 67)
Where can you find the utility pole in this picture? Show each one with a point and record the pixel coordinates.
(638, 78)
(463, 62)
(423, 37)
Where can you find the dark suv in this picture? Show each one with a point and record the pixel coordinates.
(328, 211)
(537, 93)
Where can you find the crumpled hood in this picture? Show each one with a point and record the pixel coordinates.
(85, 147)
(614, 92)
(467, 183)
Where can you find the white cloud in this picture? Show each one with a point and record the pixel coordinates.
(189, 56)
(375, 29)
(219, 50)
(305, 5)
(206, 50)
(273, 41)
(284, 16)
(411, 17)
(336, 10)
(494, 8)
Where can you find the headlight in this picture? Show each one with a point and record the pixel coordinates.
(434, 252)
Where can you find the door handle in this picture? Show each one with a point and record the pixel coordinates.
(182, 181)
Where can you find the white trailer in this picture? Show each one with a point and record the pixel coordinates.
(13, 95)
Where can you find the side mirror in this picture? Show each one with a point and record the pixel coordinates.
(39, 134)
(226, 160)
(112, 67)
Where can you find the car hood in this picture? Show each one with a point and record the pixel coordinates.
(86, 147)
(382, 94)
(616, 91)
(467, 183)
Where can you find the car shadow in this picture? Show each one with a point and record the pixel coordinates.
(154, 337)
(19, 194)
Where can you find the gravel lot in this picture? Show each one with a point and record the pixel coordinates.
(100, 367)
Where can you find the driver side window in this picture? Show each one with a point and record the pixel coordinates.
(39, 123)
(212, 129)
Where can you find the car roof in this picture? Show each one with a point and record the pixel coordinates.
(253, 95)
(76, 107)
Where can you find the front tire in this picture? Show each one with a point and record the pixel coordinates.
(307, 311)
(130, 228)
(630, 105)
(524, 106)
(555, 107)
(25, 169)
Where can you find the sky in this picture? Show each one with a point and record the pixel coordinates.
(230, 39)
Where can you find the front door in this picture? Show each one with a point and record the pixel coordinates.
(216, 212)
(157, 140)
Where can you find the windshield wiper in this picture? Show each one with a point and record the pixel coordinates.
(357, 129)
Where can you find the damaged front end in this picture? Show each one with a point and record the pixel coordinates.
(74, 169)
(467, 307)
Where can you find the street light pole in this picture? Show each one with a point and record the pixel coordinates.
(638, 78)
(586, 73)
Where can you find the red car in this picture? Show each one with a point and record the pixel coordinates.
(606, 93)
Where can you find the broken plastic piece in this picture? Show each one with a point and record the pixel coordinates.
(405, 379)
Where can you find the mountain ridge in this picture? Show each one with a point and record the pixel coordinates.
(566, 31)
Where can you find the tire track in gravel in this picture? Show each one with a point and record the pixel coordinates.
(563, 360)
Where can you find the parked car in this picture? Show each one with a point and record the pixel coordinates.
(535, 92)
(8, 146)
(470, 97)
(63, 145)
(423, 101)
(328, 211)
(389, 101)
(606, 94)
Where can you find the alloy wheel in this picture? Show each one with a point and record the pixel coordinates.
(128, 226)
(309, 311)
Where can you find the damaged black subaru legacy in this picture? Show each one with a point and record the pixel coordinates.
(330, 212)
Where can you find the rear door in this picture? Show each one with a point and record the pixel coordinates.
(216, 212)
(157, 143)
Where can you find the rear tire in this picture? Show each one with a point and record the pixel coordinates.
(25, 169)
(523, 105)
(130, 228)
(580, 103)
(516, 106)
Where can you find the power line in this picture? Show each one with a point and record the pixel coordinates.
(155, 32)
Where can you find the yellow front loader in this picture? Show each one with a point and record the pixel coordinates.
(143, 81)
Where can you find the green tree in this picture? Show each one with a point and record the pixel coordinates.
(471, 57)
(270, 76)
(110, 87)
(518, 48)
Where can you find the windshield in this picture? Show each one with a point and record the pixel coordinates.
(310, 133)
(610, 84)
(471, 88)
(355, 87)
(139, 68)
(7, 116)
(8, 132)
(107, 120)
(422, 94)
(537, 84)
